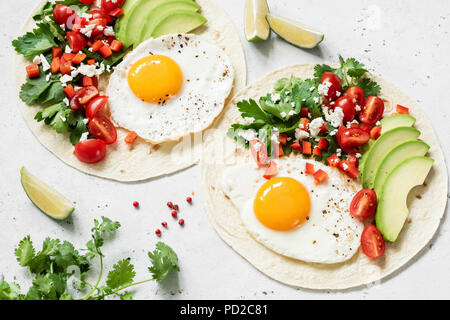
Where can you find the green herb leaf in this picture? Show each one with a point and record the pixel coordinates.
(122, 274)
(25, 251)
(370, 87)
(35, 43)
(164, 261)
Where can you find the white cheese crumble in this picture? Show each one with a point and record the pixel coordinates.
(301, 134)
(109, 31)
(334, 117)
(66, 101)
(324, 88)
(87, 30)
(248, 135)
(68, 49)
(37, 60)
(248, 120)
(45, 64)
(84, 136)
(358, 155)
(275, 97)
(315, 126)
(291, 113)
(283, 114)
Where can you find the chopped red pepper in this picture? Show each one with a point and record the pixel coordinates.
(65, 67)
(33, 70)
(283, 139)
(304, 124)
(68, 56)
(90, 81)
(375, 133)
(320, 176)
(69, 91)
(349, 169)
(296, 146)
(105, 51)
(116, 46)
(116, 12)
(317, 151)
(79, 57)
(280, 150)
(130, 138)
(97, 45)
(91, 62)
(402, 110)
(323, 144)
(304, 112)
(309, 169)
(333, 160)
(306, 147)
(56, 65)
(56, 52)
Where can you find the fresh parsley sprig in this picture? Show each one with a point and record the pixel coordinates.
(51, 268)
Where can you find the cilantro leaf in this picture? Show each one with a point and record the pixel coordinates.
(370, 87)
(40, 91)
(122, 274)
(164, 261)
(320, 69)
(355, 69)
(25, 251)
(35, 43)
(250, 109)
(9, 291)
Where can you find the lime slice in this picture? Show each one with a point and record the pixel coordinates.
(256, 26)
(294, 32)
(47, 199)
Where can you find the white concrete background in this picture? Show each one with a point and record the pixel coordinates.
(406, 42)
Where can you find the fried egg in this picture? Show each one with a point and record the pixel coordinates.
(169, 87)
(291, 215)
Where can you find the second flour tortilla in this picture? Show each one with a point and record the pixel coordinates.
(425, 215)
(141, 160)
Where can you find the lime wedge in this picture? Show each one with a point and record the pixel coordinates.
(47, 199)
(295, 32)
(256, 26)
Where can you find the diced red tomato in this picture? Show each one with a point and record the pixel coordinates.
(372, 242)
(333, 160)
(131, 137)
(306, 147)
(79, 57)
(357, 94)
(69, 91)
(56, 52)
(296, 146)
(320, 177)
(364, 204)
(55, 65)
(90, 81)
(347, 106)
(33, 70)
(271, 171)
(335, 88)
(90, 151)
(317, 151)
(375, 133)
(116, 13)
(304, 112)
(323, 144)
(101, 128)
(304, 124)
(349, 169)
(116, 46)
(402, 110)
(97, 45)
(65, 67)
(309, 169)
(105, 51)
(76, 41)
(86, 94)
(372, 111)
(259, 152)
(95, 106)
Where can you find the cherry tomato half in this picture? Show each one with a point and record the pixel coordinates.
(259, 151)
(101, 128)
(357, 94)
(76, 41)
(61, 13)
(90, 151)
(372, 111)
(95, 106)
(351, 138)
(348, 107)
(87, 93)
(109, 5)
(364, 204)
(372, 242)
(335, 84)
(100, 14)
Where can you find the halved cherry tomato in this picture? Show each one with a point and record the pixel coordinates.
(109, 5)
(335, 87)
(364, 126)
(75, 102)
(76, 41)
(372, 111)
(271, 171)
(95, 106)
(116, 12)
(320, 176)
(351, 138)
(61, 13)
(87, 93)
(372, 242)
(101, 128)
(375, 133)
(33, 70)
(364, 204)
(90, 151)
(357, 94)
(100, 14)
(402, 110)
(348, 107)
(309, 169)
(259, 152)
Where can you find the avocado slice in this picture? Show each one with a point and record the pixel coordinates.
(392, 208)
(133, 24)
(396, 156)
(121, 23)
(178, 21)
(395, 121)
(382, 146)
(158, 13)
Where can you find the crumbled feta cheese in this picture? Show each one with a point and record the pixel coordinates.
(334, 117)
(47, 77)
(68, 49)
(66, 101)
(338, 93)
(324, 87)
(293, 104)
(338, 152)
(344, 166)
(275, 97)
(357, 108)
(109, 31)
(248, 135)
(87, 30)
(64, 79)
(316, 99)
(63, 118)
(301, 134)
(248, 120)
(283, 114)
(85, 120)
(84, 136)
(358, 155)
(37, 60)
(45, 64)
(378, 123)
(291, 113)
(63, 26)
(312, 89)
(315, 126)
(333, 132)
(100, 28)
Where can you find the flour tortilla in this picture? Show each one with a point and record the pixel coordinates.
(424, 218)
(141, 160)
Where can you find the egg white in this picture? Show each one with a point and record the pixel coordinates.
(329, 235)
(207, 81)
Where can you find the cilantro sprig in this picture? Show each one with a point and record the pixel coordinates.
(54, 268)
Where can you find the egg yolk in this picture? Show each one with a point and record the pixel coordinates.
(155, 78)
(282, 204)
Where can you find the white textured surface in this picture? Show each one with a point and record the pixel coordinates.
(407, 45)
